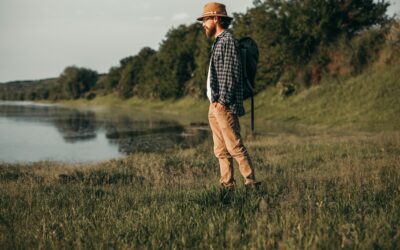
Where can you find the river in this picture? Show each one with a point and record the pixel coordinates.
(31, 132)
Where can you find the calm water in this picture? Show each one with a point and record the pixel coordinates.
(33, 132)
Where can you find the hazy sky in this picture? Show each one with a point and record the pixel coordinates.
(39, 38)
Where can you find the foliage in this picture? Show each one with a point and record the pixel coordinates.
(265, 28)
(132, 72)
(365, 48)
(167, 73)
(177, 60)
(293, 33)
(196, 85)
(393, 42)
(111, 80)
(159, 74)
(45, 89)
(77, 81)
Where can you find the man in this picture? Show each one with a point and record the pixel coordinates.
(225, 92)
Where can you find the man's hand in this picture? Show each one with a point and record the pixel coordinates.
(219, 106)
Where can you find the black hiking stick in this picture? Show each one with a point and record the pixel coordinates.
(252, 112)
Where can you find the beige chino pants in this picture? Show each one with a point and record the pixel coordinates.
(228, 145)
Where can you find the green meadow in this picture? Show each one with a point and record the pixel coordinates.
(328, 158)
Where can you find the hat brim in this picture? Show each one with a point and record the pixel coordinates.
(221, 15)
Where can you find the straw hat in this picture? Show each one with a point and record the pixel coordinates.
(214, 9)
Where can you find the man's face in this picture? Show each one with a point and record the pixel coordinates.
(209, 26)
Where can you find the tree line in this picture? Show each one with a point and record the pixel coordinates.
(300, 42)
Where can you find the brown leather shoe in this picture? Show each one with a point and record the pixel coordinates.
(229, 186)
(253, 185)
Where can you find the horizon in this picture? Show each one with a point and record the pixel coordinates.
(40, 40)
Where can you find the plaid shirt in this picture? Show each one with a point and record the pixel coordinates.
(226, 74)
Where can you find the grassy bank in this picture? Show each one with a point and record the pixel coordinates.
(328, 159)
(369, 101)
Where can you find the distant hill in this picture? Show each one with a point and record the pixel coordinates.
(43, 89)
(27, 89)
(27, 82)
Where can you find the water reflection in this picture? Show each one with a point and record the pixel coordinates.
(152, 135)
(128, 134)
(77, 126)
(157, 138)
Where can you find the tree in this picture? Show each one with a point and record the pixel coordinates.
(132, 71)
(76, 81)
(176, 61)
(197, 84)
(111, 80)
(292, 33)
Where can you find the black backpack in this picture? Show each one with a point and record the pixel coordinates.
(249, 59)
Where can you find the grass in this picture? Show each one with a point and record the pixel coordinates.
(369, 102)
(328, 159)
(318, 191)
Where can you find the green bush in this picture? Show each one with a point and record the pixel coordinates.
(77, 81)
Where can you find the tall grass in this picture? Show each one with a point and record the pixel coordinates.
(325, 190)
(369, 101)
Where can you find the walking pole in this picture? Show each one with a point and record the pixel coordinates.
(252, 113)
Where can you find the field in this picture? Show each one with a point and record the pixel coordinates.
(328, 159)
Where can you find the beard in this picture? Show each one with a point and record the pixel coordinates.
(210, 31)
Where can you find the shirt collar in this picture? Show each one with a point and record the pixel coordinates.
(221, 34)
(217, 38)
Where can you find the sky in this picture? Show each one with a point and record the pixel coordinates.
(39, 38)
